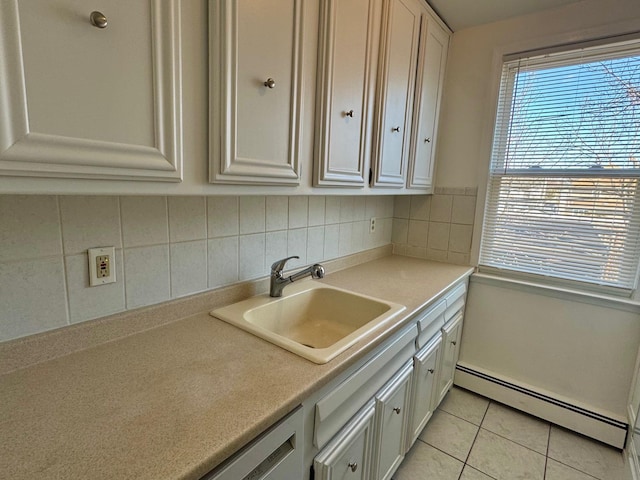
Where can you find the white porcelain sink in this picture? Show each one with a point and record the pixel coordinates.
(311, 319)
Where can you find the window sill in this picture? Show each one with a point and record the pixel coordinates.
(555, 291)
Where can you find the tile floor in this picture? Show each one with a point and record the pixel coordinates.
(472, 438)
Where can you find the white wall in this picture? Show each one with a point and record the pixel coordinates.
(573, 350)
(579, 351)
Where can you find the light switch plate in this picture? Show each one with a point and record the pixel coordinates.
(102, 266)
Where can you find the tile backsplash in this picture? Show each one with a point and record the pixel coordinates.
(168, 247)
(437, 227)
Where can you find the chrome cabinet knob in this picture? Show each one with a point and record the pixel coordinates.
(270, 83)
(353, 466)
(395, 129)
(397, 410)
(98, 19)
(349, 113)
(454, 343)
(431, 370)
(427, 140)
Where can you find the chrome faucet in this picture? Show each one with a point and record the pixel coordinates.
(279, 281)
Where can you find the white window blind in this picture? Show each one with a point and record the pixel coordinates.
(562, 200)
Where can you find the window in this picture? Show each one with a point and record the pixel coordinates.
(562, 199)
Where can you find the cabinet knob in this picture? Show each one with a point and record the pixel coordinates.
(454, 343)
(349, 113)
(395, 129)
(431, 370)
(397, 410)
(271, 83)
(427, 140)
(98, 19)
(353, 466)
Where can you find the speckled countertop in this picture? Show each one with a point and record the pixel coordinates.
(174, 401)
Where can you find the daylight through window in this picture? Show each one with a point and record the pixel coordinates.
(562, 200)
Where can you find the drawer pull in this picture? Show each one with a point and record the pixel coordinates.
(454, 343)
(271, 83)
(395, 129)
(397, 410)
(98, 19)
(353, 466)
(431, 370)
(349, 113)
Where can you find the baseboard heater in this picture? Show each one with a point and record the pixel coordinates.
(592, 424)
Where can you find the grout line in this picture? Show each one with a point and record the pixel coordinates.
(546, 457)
(576, 469)
(65, 272)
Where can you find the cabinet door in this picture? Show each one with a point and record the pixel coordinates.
(397, 70)
(451, 335)
(80, 101)
(425, 371)
(255, 91)
(348, 456)
(392, 408)
(344, 71)
(434, 43)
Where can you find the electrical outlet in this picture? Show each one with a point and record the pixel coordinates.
(372, 224)
(102, 266)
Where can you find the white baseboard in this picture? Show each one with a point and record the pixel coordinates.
(605, 428)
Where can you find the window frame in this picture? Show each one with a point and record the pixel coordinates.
(606, 48)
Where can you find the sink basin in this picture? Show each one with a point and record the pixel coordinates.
(311, 319)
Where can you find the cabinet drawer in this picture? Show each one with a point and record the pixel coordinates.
(430, 322)
(455, 301)
(335, 409)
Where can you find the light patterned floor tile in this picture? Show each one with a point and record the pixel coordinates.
(466, 405)
(558, 471)
(470, 473)
(519, 427)
(586, 455)
(504, 459)
(450, 434)
(425, 462)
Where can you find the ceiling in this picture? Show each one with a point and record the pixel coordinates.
(459, 14)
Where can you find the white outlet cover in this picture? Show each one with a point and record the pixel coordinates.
(93, 253)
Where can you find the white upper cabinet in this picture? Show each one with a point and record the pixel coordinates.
(255, 91)
(83, 99)
(434, 44)
(345, 67)
(396, 85)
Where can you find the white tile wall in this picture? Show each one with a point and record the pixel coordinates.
(438, 227)
(166, 247)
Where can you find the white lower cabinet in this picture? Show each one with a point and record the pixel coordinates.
(348, 456)
(392, 409)
(425, 371)
(451, 335)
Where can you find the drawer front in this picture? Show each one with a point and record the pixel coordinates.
(430, 322)
(455, 301)
(335, 409)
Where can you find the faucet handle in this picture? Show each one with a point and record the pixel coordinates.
(278, 265)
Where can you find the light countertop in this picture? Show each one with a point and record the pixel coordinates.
(174, 401)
